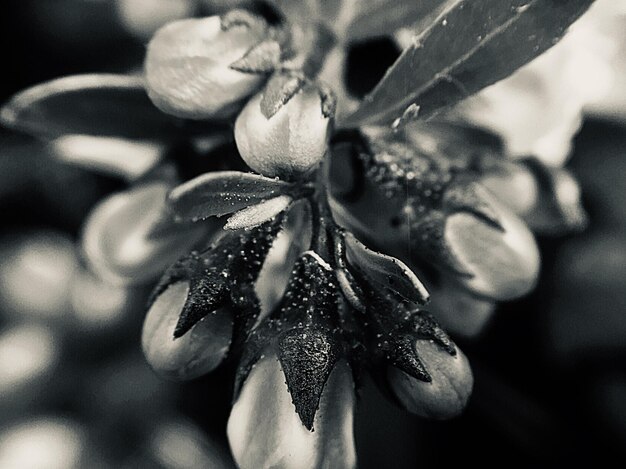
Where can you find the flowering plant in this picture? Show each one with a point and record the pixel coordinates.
(355, 214)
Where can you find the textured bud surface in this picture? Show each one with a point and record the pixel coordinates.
(265, 431)
(290, 143)
(197, 352)
(448, 392)
(188, 66)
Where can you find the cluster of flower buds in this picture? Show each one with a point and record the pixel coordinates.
(343, 306)
(436, 210)
(288, 289)
(454, 202)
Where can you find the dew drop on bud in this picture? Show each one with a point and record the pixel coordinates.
(197, 352)
(446, 395)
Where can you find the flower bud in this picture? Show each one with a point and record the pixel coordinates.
(200, 68)
(264, 429)
(458, 311)
(446, 395)
(117, 238)
(502, 263)
(283, 131)
(198, 351)
(516, 187)
(98, 306)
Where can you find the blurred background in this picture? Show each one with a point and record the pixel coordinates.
(550, 369)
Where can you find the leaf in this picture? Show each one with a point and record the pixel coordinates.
(374, 18)
(222, 192)
(94, 104)
(256, 214)
(385, 270)
(472, 45)
(120, 157)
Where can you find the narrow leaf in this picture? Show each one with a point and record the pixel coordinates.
(256, 214)
(223, 192)
(385, 270)
(472, 45)
(95, 104)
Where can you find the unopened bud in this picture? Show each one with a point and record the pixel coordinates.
(100, 307)
(200, 68)
(198, 351)
(264, 429)
(459, 311)
(446, 395)
(118, 242)
(515, 186)
(283, 131)
(501, 264)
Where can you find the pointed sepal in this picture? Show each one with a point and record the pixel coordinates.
(307, 356)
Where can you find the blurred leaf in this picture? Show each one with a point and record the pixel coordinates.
(471, 46)
(95, 104)
(374, 18)
(222, 192)
(385, 270)
(118, 157)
